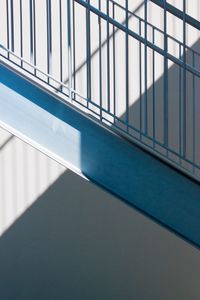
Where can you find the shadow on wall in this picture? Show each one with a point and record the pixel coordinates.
(104, 43)
(147, 171)
(25, 174)
(155, 97)
(78, 242)
(6, 142)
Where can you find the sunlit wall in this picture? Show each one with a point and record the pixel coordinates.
(25, 173)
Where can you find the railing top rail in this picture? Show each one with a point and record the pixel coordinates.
(138, 37)
(140, 19)
(178, 13)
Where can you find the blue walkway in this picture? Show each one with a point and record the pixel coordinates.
(122, 168)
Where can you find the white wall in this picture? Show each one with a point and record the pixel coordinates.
(24, 175)
(69, 239)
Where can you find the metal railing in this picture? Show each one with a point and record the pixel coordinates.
(110, 60)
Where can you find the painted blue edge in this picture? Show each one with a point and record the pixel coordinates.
(120, 167)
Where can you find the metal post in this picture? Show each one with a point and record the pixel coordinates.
(69, 47)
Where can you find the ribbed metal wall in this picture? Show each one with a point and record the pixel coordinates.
(25, 174)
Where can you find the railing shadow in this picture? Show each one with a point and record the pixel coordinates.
(178, 128)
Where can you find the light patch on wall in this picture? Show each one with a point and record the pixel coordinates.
(25, 174)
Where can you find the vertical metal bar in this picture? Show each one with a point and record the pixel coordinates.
(108, 56)
(69, 47)
(140, 78)
(127, 70)
(193, 114)
(153, 76)
(61, 46)
(100, 63)
(31, 29)
(74, 47)
(21, 32)
(8, 27)
(114, 68)
(49, 38)
(184, 79)
(34, 36)
(145, 69)
(165, 96)
(32, 33)
(180, 108)
(12, 25)
(88, 51)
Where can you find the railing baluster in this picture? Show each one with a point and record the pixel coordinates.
(69, 47)
(100, 63)
(49, 39)
(74, 48)
(140, 79)
(34, 37)
(153, 78)
(12, 26)
(31, 30)
(21, 32)
(193, 116)
(88, 51)
(32, 34)
(165, 90)
(145, 70)
(184, 80)
(180, 109)
(127, 69)
(114, 68)
(108, 55)
(8, 27)
(61, 45)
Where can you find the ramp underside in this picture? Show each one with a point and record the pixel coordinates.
(85, 147)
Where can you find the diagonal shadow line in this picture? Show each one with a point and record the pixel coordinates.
(194, 47)
(24, 233)
(80, 67)
(103, 44)
(56, 249)
(154, 140)
(6, 142)
(11, 136)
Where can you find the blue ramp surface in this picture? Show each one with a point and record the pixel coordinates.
(122, 168)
